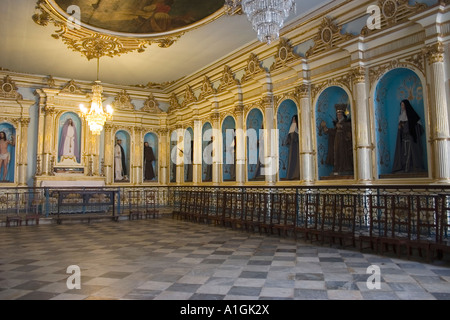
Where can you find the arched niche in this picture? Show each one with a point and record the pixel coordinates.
(229, 149)
(335, 152)
(255, 145)
(69, 139)
(151, 157)
(122, 159)
(288, 141)
(207, 152)
(8, 153)
(394, 87)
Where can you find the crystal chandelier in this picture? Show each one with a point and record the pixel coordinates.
(96, 116)
(266, 16)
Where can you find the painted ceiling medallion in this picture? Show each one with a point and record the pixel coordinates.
(98, 28)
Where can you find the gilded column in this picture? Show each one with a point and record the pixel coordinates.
(164, 150)
(440, 135)
(109, 155)
(306, 134)
(41, 132)
(23, 157)
(48, 139)
(240, 144)
(180, 154)
(138, 157)
(198, 142)
(217, 154)
(270, 152)
(364, 146)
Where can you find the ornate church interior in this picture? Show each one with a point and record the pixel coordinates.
(330, 133)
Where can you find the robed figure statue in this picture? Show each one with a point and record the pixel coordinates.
(408, 150)
(120, 168)
(68, 143)
(340, 145)
(292, 141)
(149, 157)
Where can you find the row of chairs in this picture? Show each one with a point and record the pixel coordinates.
(382, 222)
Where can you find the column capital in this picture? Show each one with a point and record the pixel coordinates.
(358, 75)
(435, 53)
(303, 91)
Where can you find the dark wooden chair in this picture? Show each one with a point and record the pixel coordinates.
(376, 221)
(151, 204)
(309, 215)
(134, 201)
(345, 224)
(284, 211)
(442, 244)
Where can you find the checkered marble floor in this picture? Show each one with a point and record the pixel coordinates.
(167, 259)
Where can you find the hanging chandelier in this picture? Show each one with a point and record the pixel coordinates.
(96, 115)
(267, 16)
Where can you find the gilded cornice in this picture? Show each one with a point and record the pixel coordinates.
(228, 80)
(123, 102)
(285, 54)
(328, 36)
(174, 103)
(189, 96)
(394, 12)
(253, 68)
(71, 87)
(90, 43)
(207, 89)
(151, 105)
(8, 89)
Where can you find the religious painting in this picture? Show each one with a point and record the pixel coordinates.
(188, 154)
(334, 138)
(122, 156)
(229, 149)
(400, 125)
(69, 142)
(150, 157)
(7, 152)
(142, 16)
(288, 141)
(255, 146)
(207, 152)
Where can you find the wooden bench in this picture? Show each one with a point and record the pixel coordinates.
(16, 219)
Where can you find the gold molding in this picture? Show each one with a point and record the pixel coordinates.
(252, 68)
(435, 53)
(189, 96)
(342, 81)
(207, 89)
(70, 87)
(174, 103)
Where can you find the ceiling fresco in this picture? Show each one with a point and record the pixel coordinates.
(142, 16)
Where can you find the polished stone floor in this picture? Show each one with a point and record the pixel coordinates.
(168, 259)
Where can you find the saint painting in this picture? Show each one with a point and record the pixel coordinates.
(409, 149)
(69, 148)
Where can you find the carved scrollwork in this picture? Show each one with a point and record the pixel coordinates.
(151, 105)
(228, 80)
(123, 101)
(253, 68)
(207, 89)
(285, 54)
(189, 96)
(174, 103)
(72, 88)
(8, 89)
(435, 53)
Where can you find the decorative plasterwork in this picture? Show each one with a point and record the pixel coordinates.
(8, 89)
(416, 61)
(207, 89)
(123, 101)
(71, 87)
(328, 36)
(151, 105)
(90, 43)
(435, 53)
(253, 68)
(173, 103)
(228, 80)
(189, 96)
(285, 54)
(342, 81)
(394, 12)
